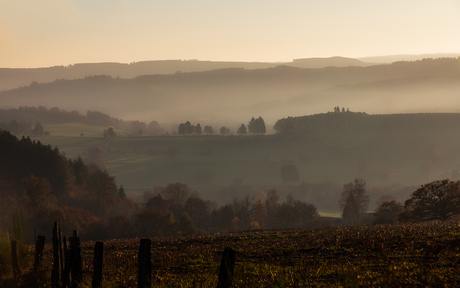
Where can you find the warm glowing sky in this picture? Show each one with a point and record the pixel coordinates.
(38, 33)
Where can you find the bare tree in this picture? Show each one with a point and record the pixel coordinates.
(354, 200)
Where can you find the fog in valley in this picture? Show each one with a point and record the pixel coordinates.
(232, 95)
(305, 116)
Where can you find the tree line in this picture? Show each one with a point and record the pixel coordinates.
(254, 126)
(437, 200)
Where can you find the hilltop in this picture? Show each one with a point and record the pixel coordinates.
(231, 96)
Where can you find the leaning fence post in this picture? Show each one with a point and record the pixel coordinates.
(226, 268)
(39, 245)
(76, 270)
(55, 272)
(97, 264)
(14, 257)
(144, 269)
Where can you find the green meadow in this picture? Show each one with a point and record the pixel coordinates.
(381, 157)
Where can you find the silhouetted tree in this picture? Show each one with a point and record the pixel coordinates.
(242, 130)
(354, 200)
(121, 192)
(186, 128)
(438, 200)
(110, 133)
(224, 130)
(208, 130)
(80, 170)
(257, 126)
(155, 128)
(198, 129)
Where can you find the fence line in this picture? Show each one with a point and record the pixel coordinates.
(67, 265)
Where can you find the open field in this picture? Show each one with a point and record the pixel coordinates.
(420, 255)
(381, 157)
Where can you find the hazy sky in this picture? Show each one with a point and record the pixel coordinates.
(40, 33)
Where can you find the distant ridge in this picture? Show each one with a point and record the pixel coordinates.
(236, 94)
(11, 78)
(328, 62)
(406, 57)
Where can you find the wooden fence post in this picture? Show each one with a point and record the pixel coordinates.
(39, 245)
(14, 257)
(226, 268)
(66, 273)
(97, 264)
(60, 252)
(75, 251)
(144, 269)
(55, 272)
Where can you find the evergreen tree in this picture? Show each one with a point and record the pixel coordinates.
(257, 126)
(242, 130)
(121, 192)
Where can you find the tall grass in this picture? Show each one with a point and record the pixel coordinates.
(17, 233)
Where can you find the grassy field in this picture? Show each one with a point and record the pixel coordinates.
(421, 255)
(382, 158)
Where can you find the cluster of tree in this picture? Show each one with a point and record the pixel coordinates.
(257, 126)
(179, 201)
(337, 109)
(41, 114)
(437, 200)
(330, 120)
(187, 128)
(109, 133)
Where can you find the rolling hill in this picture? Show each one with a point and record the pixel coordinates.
(233, 96)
